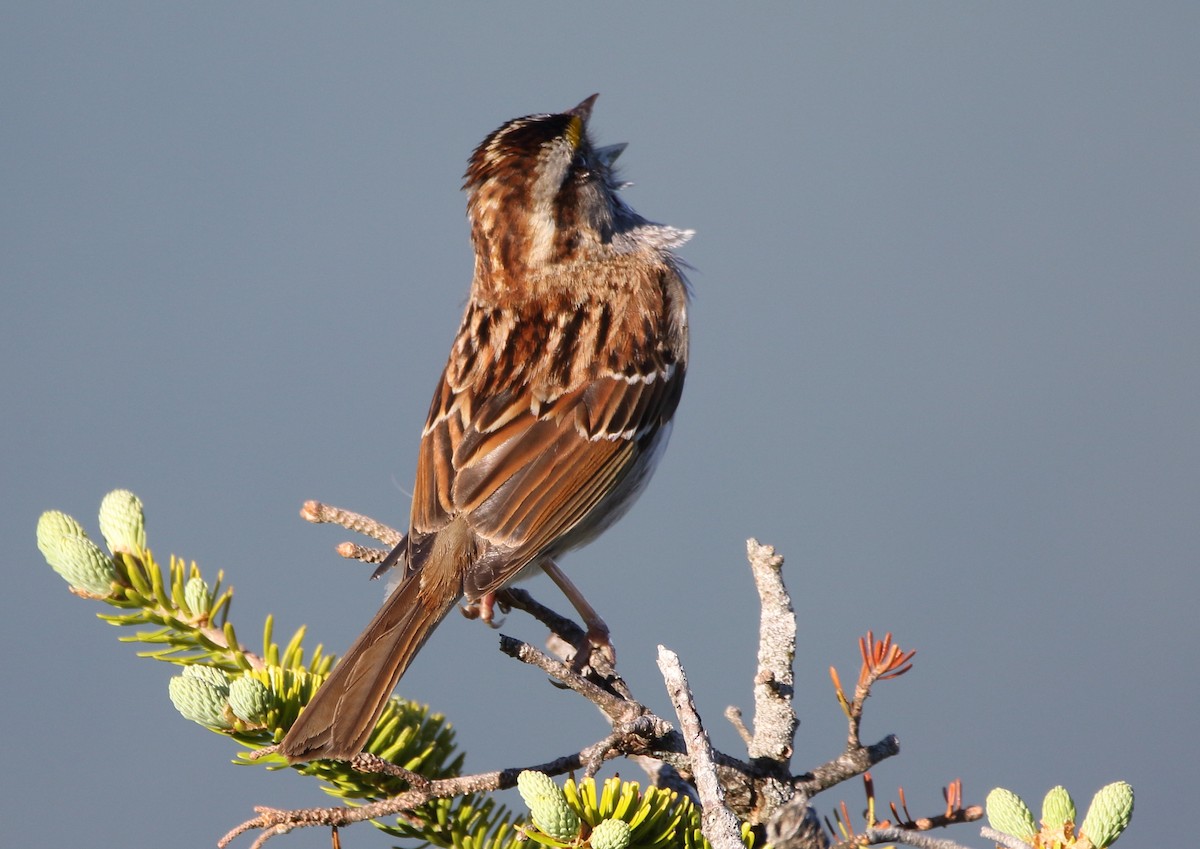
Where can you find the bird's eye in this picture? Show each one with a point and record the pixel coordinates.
(581, 172)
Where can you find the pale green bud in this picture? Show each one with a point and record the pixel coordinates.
(549, 807)
(1008, 813)
(1058, 808)
(196, 595)
(211, 674)
(201, 694)
(611, 834)
(122, 522)
(249, 698)
(84, 566)
(532, 785)
(52, 526)
(1109, 813)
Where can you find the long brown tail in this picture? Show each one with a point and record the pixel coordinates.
(340, 718)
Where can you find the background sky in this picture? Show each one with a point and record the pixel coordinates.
(944, 357)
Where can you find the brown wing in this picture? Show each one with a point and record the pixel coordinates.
(530, 479)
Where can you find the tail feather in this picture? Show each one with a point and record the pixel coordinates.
(340, 718)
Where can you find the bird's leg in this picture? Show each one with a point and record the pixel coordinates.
(597, 636)
(483, 609)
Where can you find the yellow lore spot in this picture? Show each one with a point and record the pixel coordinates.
(575, 131)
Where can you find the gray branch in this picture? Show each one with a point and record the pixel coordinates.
(719, 824)
(761, 790)
(775, 720)
(1006, 840)
(920, 839)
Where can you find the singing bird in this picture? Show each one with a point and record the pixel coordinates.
(552, 411)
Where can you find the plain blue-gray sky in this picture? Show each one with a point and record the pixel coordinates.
(945, 354)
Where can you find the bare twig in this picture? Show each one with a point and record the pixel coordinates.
(274, 821)
(847, 765)
(512, 598)
(616, 708)
(363, 553)
(1003, 839)
(774, 718)
(319, 513)
(368, 762)
(953, 814)
(719, 824)
(603, 672)
(658, 737)
(920, 839)
(905, 829)
(734, 715)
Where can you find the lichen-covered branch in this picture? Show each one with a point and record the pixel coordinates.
(920, 839)
(721, 827)
(410, 768)
(775, 719)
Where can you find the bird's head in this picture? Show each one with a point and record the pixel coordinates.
(542, 195)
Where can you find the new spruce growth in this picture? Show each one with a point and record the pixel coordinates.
(1107, 816)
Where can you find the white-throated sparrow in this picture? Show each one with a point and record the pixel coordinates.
(550, 415)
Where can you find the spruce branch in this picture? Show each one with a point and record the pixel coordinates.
(411, 769)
